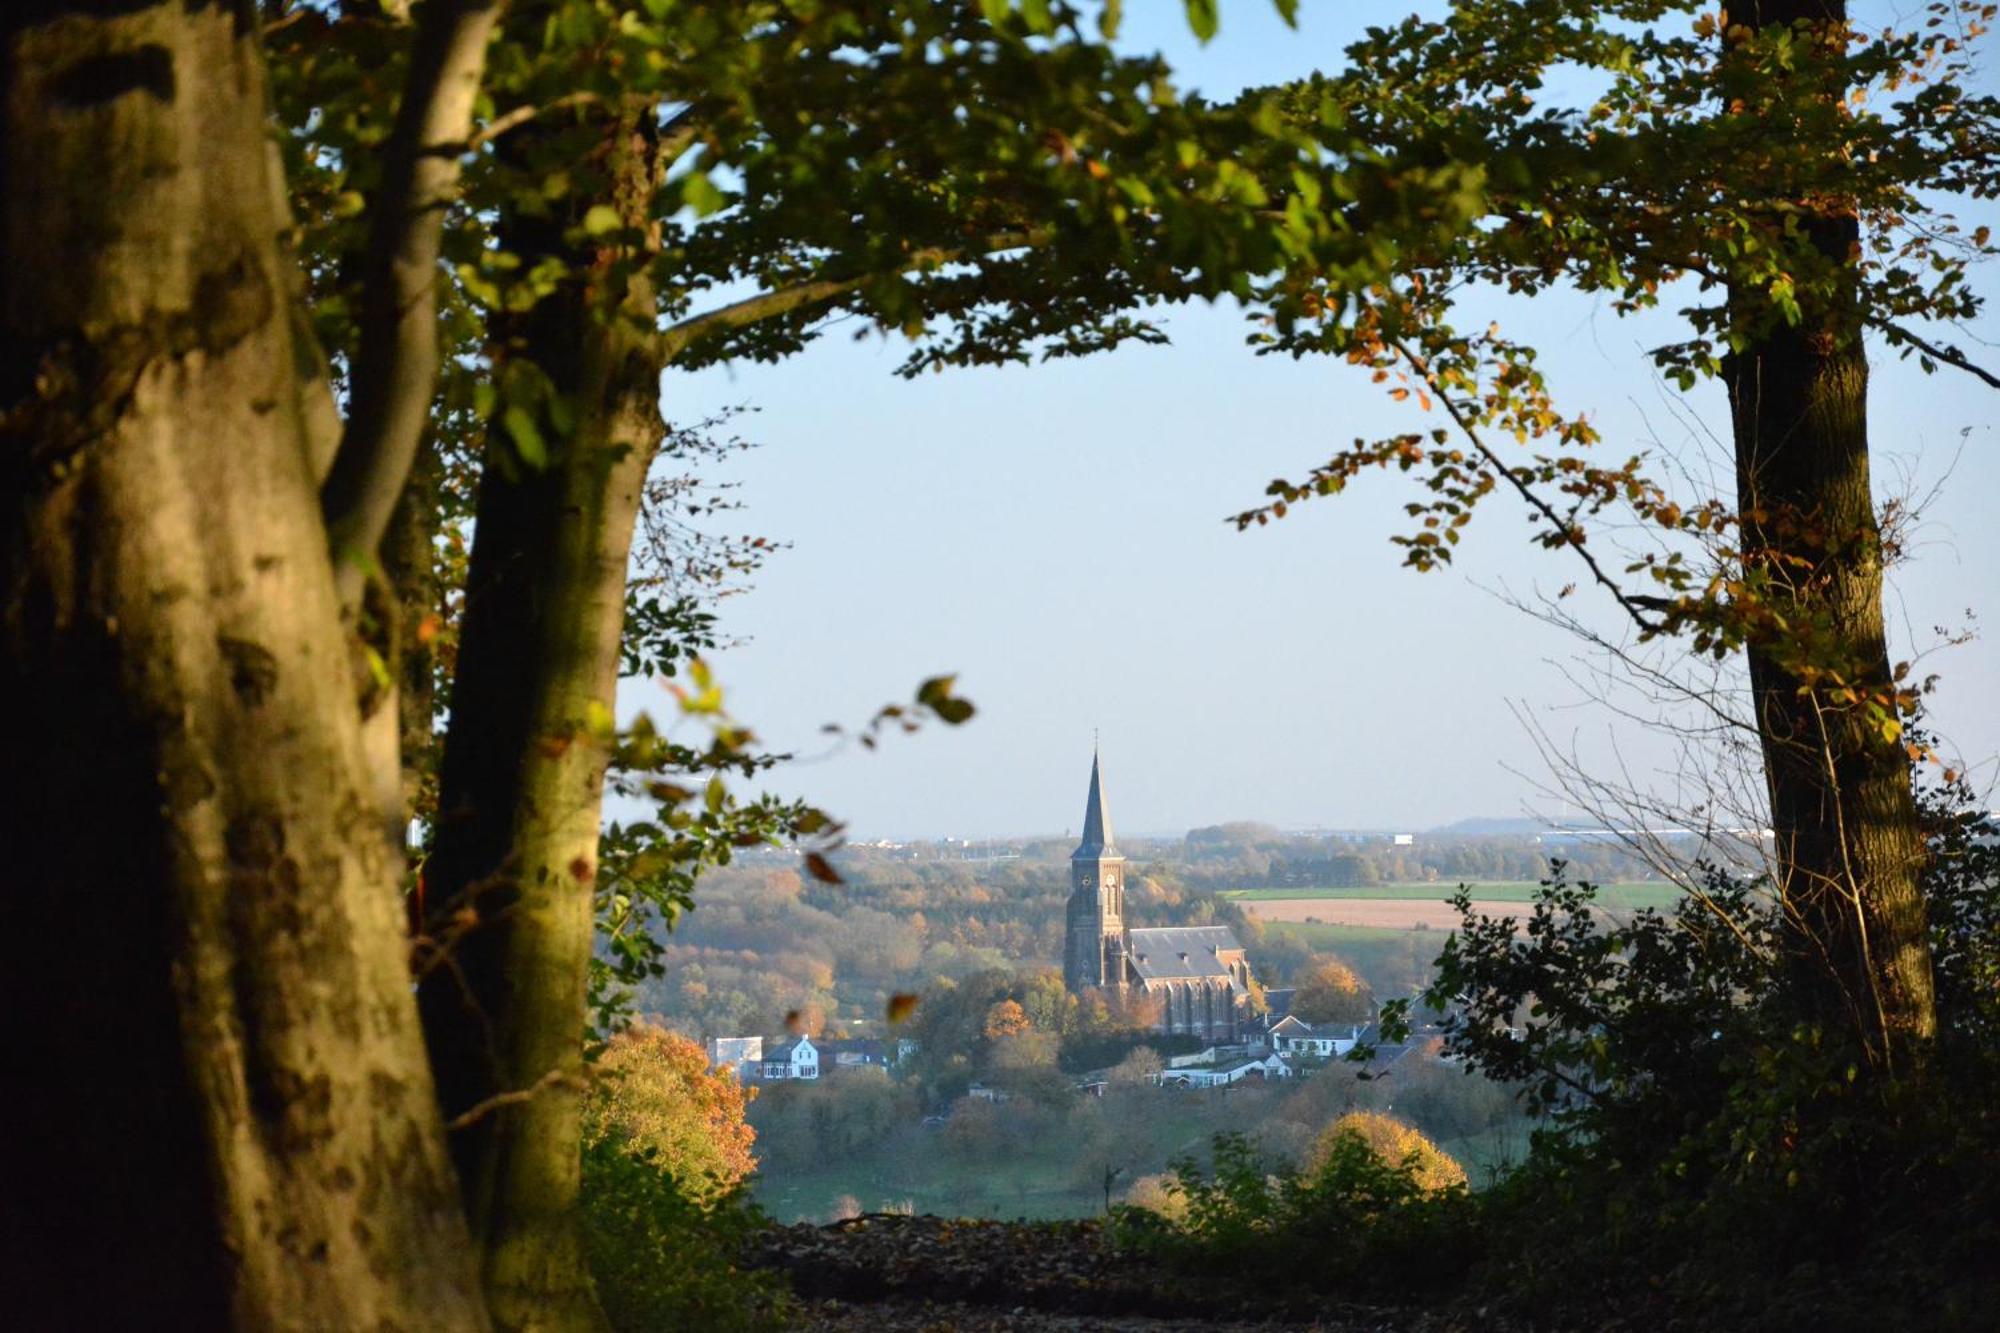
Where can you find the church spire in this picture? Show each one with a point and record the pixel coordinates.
(1097, 838)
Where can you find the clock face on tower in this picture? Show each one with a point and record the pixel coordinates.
(1086, 881)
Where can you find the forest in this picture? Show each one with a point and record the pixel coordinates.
(339, 342)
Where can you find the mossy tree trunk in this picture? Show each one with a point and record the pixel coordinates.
(510, 883)
(1849, 849)
(221, 1113)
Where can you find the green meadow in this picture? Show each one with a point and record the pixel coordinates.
(1630, 897)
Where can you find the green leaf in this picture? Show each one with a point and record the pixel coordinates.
(935, 694)
(1109, 20)
(996, 11)
(1288, 10)
(601, 218)
(1203, 17)
(700, 193)
(527, 436)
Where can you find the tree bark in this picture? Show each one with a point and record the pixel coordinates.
(510, 882)
(222, 1115)
(1849, 849)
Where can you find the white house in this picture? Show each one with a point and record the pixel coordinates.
(1292, 1036)
(796, 1058)
(1216, 1076)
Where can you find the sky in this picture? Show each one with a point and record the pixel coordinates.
(1056, 537)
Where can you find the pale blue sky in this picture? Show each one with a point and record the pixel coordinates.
(1055, 535)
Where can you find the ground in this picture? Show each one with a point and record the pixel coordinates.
(891, 1273)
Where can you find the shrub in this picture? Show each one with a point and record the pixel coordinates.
(1357, 1222)
(664, 1260)
(1393, 1142)
(665, 1160)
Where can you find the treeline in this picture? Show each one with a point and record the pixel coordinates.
(1258, 856)
(765, 941)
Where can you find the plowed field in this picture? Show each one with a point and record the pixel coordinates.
(1382, 913)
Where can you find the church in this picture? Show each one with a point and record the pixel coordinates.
(1198, 974)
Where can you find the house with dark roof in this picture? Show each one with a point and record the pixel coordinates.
(1199, 975)
(795, 1057)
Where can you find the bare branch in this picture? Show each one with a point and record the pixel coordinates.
(396, 358)
(499, 1100)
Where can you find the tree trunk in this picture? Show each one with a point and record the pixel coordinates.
(222, 1113)
(1849, 849)
(510, 883)
(410, 571)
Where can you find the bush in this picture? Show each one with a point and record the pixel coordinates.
(1712, 1145)
(1358, 1221)
(1394, 1142)
(664, 1260)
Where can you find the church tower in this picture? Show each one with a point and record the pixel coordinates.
(1094, 949)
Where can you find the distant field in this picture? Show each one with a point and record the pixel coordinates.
(1392, 961)
(1627, 896)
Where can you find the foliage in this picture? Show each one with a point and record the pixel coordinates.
(653, 1093)
(1357, 1221)
(666, 1163)
(1331, 992)
(1703, 1121)
(1393, 1142)
(663, 1259)
(1655, 189)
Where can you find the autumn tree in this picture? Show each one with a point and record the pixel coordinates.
(1332, 992)
(1395, 1144)
(1006, 1019)
(652, 1094)
(1786, 174)
(1008, 188)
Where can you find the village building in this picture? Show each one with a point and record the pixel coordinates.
(1198, 975)
(1244, 1069)
(745, 1055)
(1291, 1035)
(845, 1053)
(795, 1058)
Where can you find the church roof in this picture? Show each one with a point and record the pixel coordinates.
(1097, 838)
(1175, 953)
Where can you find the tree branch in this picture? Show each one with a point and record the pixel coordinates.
(396, 357)
(1949, 355)
(1624, 599)
(768, 305)
(676, 132)
(480, 1110)
(521, 115)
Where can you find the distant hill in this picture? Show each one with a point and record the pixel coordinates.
(1480, 826)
